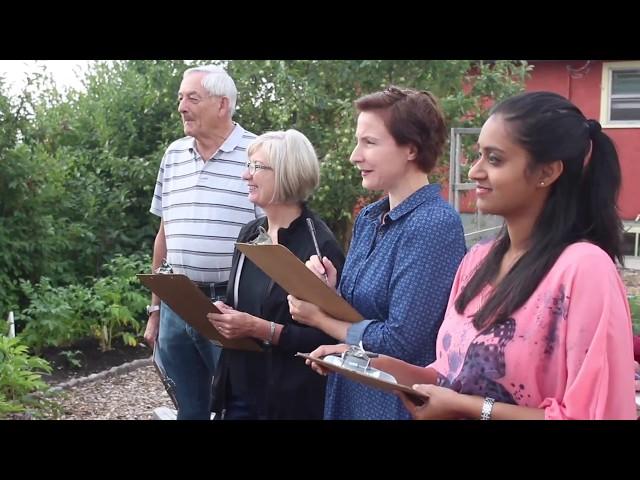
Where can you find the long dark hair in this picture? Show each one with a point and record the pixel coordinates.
(581, 204)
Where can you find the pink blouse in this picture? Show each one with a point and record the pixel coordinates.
(567, 350)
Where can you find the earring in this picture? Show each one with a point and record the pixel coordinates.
(542, 184)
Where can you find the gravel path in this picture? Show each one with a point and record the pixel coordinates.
(128, 396)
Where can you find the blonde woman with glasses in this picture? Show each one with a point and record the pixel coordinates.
(281, 174)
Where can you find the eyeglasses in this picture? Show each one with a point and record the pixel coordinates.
(255, 166)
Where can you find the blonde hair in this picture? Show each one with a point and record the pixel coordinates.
(294, 163)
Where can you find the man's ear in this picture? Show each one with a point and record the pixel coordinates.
(550, 172)
(224, 105)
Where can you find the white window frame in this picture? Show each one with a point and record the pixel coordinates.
(605, 95)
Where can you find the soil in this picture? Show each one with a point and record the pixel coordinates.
(85, 358)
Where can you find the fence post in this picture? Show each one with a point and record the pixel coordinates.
(12, 325)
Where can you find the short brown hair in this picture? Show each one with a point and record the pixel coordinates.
(412, 117)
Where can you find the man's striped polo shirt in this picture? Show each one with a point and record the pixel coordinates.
(203, 205)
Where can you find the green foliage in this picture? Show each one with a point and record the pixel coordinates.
(120, 301)
(79, 171)
(21, 180)
(21, 385)
(634, 305)
(316, 98)
(71, 357)
(109, 142)
(56, 316)
(79, 168)
(110, 308)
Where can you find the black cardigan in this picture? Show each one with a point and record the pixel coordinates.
(277, 384)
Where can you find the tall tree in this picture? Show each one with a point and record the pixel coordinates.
(316, 97)
(78, 169)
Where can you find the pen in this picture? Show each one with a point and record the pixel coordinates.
(312, 230)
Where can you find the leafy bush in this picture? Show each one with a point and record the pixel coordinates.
(112, 307)
(634, 305)
(119, 301)
(316, 97)
(21, 386)
(102, 147)
(56, 316)
(71, 358)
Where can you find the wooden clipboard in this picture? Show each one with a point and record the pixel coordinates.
(366, 379)
(188, 301)
(295, 278)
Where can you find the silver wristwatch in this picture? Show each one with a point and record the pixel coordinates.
(152, 308)
(487, 408)
(272, 331)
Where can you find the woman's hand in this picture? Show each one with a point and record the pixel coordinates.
(442, 403)
(305, 312)
(232, 323)
(321, 352)
(322, 268)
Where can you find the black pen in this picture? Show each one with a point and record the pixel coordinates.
(312, 230)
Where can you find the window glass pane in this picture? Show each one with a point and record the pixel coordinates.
(625, 82)
(625, 108)
(625, 95)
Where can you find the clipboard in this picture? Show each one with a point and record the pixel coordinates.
(367, 379)
(188, 301)
(295, 278)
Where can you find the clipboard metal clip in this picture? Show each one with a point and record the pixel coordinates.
(355, 358)
(165, 267)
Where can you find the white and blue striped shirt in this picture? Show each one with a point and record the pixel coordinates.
(203, 205)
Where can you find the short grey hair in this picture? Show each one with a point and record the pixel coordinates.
(217, 82)
(294, 162)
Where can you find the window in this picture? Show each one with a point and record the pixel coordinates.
(620, 102)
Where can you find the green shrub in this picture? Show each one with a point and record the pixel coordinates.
(21, 385)
(112, 307)
(634, 305)
(56, 316)
(119, 301)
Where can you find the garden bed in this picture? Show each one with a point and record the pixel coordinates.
(85, 358)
